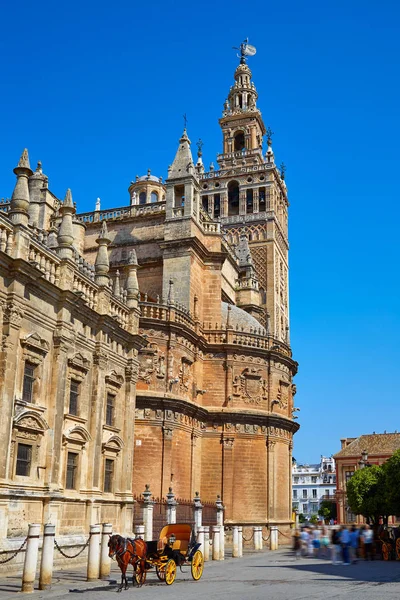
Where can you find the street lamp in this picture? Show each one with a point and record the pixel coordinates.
(364, 459)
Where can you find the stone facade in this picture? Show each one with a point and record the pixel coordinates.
(149, 344)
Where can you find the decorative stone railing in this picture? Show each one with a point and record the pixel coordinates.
(83, 286)
(247, 282)
(119, 312)
(45, 260)
(178, 211)
(110, 214)
(4, 205)
(219, 334)
(6, 235)
(222, 172)
(84, 266)
(211, 227)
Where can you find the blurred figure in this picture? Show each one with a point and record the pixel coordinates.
(353, 546)
(368, 538)
(296, 543)
(304, 541)
(316, 541)
(336, 547)
(345, 543)
(324, 543)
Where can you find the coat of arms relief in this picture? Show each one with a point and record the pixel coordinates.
(250, 386)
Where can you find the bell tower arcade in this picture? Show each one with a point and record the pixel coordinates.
(248, 195)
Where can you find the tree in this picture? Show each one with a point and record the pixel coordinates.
(302, 518)
(314, 519)
(327, 509)
(392, 483)
(367, 493)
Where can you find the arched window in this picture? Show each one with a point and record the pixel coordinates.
(142, 198)
(217, 205)
(153, 197)
(205, 203)
(233, 198)
(239, 141)
(249, 201)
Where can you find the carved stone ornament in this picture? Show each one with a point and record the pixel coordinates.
(147, 363)
(33, 343)
(282, 395)
(76, 435)
(114, 444)
(30, 421)
(185, 375)
(228, 443)
(13, 315)
(115, 379)
(100, 359)
(79, 364)
(250, 386)
(167, 433)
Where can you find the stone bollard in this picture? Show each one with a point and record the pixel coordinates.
(215, 546)
(31, 556)
(235, 541)
(139, 531)
(46, 563)
(240, 541)
(198, 512)
(200, 538)
(105, 560)
(273, 540)
(220, 522)
(171, 507)
(206, 543)
(257, 537)
(148, 514)
(93, 566)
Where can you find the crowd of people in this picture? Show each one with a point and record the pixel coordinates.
(342, 545)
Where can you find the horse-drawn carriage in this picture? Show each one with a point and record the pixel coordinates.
(389, 540)
(176, 547)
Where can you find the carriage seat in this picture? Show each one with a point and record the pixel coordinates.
(181, 545)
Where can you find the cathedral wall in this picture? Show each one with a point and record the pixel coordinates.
(181, 463)
(283, 505)
(214, 381)
(250, 470)
(148, 458)
(211, 468)
(150, 281)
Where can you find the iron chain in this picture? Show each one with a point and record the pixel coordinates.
(73, 555)
(250, 538)
(14, 554)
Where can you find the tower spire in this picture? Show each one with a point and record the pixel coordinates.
(20, 198)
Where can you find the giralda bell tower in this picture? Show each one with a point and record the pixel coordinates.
(248, 195)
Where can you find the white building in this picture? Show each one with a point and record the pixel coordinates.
(311, 484)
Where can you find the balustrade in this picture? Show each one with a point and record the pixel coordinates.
(45, 260)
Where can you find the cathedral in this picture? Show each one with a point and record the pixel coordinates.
(148, 344)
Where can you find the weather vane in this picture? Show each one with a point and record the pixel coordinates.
(245, 50)
(199, 145)
(283, 171)
(185, 120)
(269, 133)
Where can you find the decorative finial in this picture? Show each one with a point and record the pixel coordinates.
(200, 145)
(24, 160)
(104, 231)
(148, 173)
(270, 133)
(39, 167)
(68, 199)
(132, 258)
(185, 121)
(97, 204)
(283, 171)
(245, 50)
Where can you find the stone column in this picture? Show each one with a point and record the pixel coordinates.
(206, 543)
(242, 202)
(139, 531)
(46, 563)
(93, 566)
(220, 522)
(273, 540)
(224, 204)
(200, 538)
(166, 458)
(31, 557)
(171, 507)
(216, 554)
(256, 200)
(228, 476)
(148, 514)
(198, 511)
(240, 545)
(105, 560)
(235, 541)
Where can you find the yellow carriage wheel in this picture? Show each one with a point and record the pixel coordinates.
(386, 551)
(197, 565)
(140, 574)
(160, 570)
(398, 548)
(170, 571)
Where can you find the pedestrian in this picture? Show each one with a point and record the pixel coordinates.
(353, 546)
(296, 543)
(368, 538)
(345, 543)
(316, 541)
(336, 548)
(324, 543)
(304, 541)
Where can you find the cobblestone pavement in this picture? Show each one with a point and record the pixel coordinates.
(263, 576)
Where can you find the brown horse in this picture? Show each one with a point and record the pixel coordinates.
(129, 552)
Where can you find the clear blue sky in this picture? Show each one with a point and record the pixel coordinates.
(97, 91)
